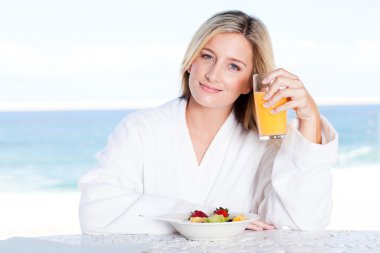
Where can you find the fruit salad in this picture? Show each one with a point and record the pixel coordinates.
(219, 215)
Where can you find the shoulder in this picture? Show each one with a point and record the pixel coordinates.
(162, 115)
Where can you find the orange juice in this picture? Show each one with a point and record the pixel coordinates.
(270, 126)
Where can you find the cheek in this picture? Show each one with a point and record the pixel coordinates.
(238, 82)
(196, 67)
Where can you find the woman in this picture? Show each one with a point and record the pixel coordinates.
(202, 150)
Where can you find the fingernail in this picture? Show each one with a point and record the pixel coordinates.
(266, 105)
(272, 111)
(266, 96)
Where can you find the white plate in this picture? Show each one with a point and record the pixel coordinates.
(207, 231)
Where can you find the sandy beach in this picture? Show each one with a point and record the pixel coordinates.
(356, 199)
(38, 214)
(356, 207)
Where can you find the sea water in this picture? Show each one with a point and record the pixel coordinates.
(49, 151)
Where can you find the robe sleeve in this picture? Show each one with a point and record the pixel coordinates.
(113, 194)
(295, 183)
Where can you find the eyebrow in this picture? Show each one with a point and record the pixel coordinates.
(230, 58)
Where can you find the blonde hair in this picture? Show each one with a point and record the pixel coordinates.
(263, 61)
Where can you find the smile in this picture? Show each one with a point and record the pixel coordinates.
(209, 88)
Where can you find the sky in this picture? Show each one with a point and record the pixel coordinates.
(73, 50)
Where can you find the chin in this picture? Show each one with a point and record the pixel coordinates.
(211, 103)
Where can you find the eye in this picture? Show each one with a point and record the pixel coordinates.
(234, 67)
(206, 56)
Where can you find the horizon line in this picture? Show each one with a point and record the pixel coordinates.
(141, 104)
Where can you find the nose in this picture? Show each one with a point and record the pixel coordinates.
(212, 75)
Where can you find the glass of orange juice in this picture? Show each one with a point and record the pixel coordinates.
(270, 126)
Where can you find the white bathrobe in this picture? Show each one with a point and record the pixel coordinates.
(149, 167)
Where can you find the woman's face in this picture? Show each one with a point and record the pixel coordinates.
(221, 72)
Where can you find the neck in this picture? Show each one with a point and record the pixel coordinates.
(205, 119)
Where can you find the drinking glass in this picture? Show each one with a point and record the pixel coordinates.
(270, 126)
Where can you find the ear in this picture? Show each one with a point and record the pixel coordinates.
(189, 69)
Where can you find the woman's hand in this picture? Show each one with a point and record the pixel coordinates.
(260, 225)
(298, 99)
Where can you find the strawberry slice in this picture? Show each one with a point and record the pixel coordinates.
(221, 211)
(198, 213)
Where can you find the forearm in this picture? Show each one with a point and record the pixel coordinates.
(311, 129)
(310, 126)
(298, 181)
(109, 207)
(119, 213)
(305, 206)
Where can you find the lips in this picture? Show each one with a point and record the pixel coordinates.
(209, 88)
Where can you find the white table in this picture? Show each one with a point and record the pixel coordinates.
(250, 241)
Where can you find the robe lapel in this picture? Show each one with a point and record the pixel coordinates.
(198, 180)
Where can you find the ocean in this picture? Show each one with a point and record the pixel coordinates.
(49, 151)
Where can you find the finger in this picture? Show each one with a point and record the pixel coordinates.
(263, 224)
(286, 82)
(254, 227)
(282, 93)
(293, 94)
(293, 104)
(280, 83)
(277, 73)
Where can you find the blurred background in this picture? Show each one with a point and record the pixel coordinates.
(71, 70)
